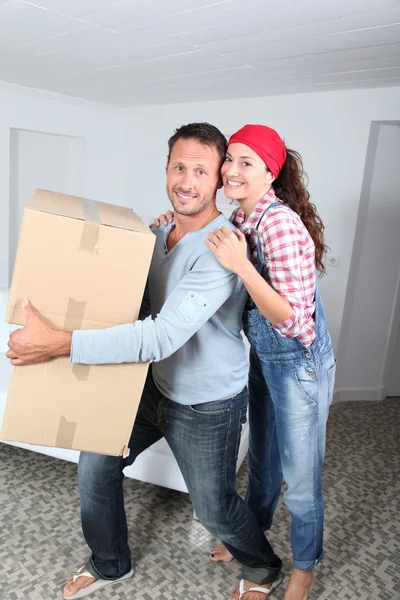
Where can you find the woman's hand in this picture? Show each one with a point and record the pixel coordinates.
(230, 248)
(163, 219)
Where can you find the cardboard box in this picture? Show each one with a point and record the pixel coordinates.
(83, 265)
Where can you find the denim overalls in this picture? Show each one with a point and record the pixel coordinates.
(290, 391)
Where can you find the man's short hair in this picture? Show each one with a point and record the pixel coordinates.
(204, 133)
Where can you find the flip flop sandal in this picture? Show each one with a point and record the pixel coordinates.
(262, 590)
(96, 585)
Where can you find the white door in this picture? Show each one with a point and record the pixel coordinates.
(44, 161)
(374, 274)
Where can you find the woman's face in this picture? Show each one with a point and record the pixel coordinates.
(244, 174)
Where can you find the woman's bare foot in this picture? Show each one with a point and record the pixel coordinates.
(300, 585)
(72, 587)
(251, 595)
(221, 554)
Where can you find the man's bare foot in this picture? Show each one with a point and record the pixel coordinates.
(72, 587)
(221, 554)
(300, 585)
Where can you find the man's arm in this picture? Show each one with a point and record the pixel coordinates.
(194, 300)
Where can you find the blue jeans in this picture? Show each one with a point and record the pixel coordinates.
(205, 441)
(288, 410)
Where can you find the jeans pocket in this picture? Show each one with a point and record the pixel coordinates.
(307, 381)
(331, 381)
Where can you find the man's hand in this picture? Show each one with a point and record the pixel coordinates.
(36, 342)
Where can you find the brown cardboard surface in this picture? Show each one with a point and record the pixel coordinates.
(57, 403)
(47, 405)
(74, 207)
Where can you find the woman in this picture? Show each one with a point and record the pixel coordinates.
(292, 366)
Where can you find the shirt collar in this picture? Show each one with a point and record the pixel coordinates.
(248, 224)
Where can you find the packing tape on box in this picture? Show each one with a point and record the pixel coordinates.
(73, 320)
(66, 433)
(91, 227)
(81, 372)
(17, 313)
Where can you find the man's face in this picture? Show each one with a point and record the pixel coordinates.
(193, 176)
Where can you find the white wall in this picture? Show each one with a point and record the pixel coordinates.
(125, 156)
(101, 129)
(329, 129)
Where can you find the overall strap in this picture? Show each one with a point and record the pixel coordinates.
(260, 252)
(273, 205)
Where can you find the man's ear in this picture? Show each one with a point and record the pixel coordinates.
(167, 163)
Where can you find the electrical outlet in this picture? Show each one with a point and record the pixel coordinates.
(332, 260)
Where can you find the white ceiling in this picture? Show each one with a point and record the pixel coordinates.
(135, 52)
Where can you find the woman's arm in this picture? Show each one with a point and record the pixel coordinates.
(231, 252)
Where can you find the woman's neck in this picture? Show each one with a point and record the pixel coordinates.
(248, 204)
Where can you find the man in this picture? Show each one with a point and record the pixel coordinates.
(195, 394)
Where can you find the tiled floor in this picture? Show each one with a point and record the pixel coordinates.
(41, 541)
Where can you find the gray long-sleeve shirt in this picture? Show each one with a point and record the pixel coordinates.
(194, 334)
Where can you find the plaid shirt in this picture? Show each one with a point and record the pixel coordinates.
(290, 259)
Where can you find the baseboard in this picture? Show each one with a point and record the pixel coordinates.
(355, 395)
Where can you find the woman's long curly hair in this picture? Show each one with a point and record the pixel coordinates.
(290, 187)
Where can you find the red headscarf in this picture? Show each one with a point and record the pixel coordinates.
(265, 142)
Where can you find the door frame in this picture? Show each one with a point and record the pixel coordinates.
(391, 343)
